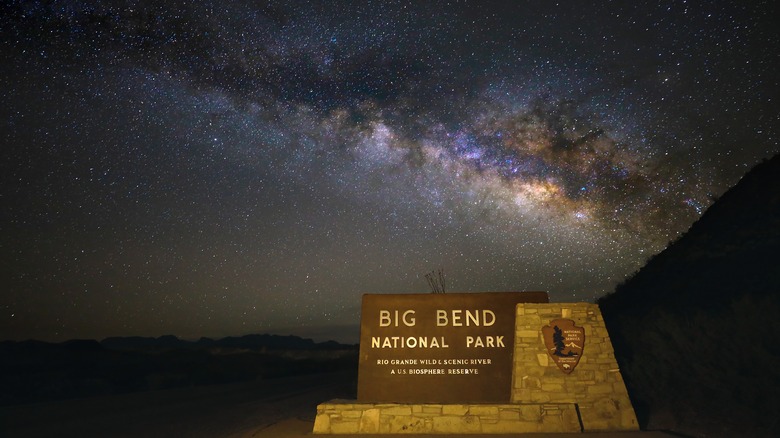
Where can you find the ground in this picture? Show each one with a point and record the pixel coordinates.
(279, 408)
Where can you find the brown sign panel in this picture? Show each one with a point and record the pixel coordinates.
(438, 348)
(565, 343)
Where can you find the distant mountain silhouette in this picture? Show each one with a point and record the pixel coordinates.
(34, 371)
(82, 345)
(251, 342)
(261, 341)
(692, 326)
(138, 342)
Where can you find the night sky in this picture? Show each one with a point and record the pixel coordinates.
(227, 167)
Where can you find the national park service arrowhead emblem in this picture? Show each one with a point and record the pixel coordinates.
(565, 343)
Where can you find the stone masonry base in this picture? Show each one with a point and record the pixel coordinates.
(350, 417)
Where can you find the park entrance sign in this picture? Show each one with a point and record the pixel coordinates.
(481, 363)
(438, 348)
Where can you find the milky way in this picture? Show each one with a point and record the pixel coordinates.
(223, 168)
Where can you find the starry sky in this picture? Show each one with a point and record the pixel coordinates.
(222, 168)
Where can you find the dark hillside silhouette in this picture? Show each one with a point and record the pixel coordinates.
(694, 330)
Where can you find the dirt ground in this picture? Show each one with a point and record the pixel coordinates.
(278, 408)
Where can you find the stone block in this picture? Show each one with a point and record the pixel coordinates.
(405, 424)
(535, 370)
(509, 414)
(557, 378)
(530, 334)
(552, 387)
(595, 425)
(369, 421)
(510, 427)
(540, 397)
(606, 409)
(570, 420)
(532, 382)
(346, 427)
(521, 395)
(627, 417)
(595, 349)
(532, 413)
(454, 409)
(454, 425)
(432, 409)
(397, 410)
(603, 388)
(552, 423)
(530, 320)
(351, 414)
(483, 411)
(321, 423)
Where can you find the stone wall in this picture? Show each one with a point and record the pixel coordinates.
(348, 417)
(595, 385)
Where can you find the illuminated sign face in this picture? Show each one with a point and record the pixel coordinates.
(438, 348)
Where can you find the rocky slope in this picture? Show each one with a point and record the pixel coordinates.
(695, 329)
